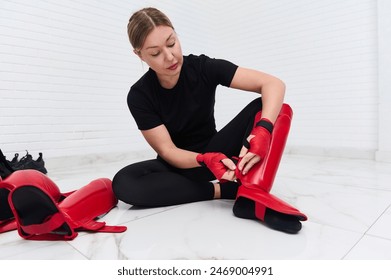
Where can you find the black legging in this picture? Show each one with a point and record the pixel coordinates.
(155, 183)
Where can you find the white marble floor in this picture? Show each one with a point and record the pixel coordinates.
(347, 202)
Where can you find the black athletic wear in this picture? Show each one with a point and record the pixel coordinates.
(187, 111)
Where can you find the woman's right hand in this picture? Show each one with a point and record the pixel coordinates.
(219, 164)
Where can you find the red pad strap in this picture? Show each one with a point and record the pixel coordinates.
(49, 225)
(57, 220)
(265, 200)
(115, 229)
(102, 227)
(260, 211)
(8, 225)
(52, 237)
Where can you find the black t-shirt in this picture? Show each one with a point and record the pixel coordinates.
(187, 110)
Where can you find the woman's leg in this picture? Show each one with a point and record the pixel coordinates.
(154, 183)
(229, 140)
(254, 200)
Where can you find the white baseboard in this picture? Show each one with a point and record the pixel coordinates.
(331, 152)
(77, 161)
(72, 162)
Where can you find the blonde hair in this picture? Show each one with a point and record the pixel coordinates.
(142, 22)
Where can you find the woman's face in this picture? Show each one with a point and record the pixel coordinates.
(162, 52)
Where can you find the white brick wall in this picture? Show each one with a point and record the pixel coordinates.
(326, 52)
(66, 67)
(384, 60)
(65, 70)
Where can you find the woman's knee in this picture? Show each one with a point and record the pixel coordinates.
(125, 187)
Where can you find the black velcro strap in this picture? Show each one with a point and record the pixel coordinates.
(246, 144)
(266, 124)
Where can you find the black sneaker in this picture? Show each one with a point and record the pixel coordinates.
(40, 164)
(20, 165)
(14, 160)
(5, 168)
(27, 162)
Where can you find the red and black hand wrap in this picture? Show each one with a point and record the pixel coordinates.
(260, 143)
(213, 161)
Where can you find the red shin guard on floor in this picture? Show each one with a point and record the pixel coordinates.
(7, 220)
(21, 178)
(40, 217)
(257, 183)
(7, 225)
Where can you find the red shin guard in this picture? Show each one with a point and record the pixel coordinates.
(7, 225)
(20, 178)
(7, 220)
(257, 183)
(40, 217)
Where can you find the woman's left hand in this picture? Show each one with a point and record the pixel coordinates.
(248, 159)
(258, 147)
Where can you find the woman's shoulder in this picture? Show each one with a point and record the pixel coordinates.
(204, 60)
(213, 70)
(196, 62)
(196, 58)
(142, 88)
(144, 81)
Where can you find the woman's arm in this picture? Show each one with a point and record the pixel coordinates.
(160, 140)
(271, 88)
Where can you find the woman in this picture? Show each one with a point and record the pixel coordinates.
(173, 106)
